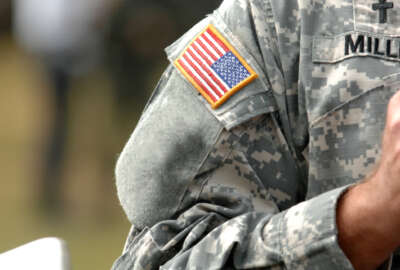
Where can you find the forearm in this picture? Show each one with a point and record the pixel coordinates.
(369, 214)
(368, 231)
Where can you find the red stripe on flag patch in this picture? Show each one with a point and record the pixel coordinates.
(207, 51)
(209, 95)
(203, 56)
(200, 75)
(211, 43)
(221, 88)
(217, 40)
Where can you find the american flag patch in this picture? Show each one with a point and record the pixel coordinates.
(214, 67)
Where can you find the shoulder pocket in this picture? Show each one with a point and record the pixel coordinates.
(246, 97)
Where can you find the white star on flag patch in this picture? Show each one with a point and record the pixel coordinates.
(214, 67)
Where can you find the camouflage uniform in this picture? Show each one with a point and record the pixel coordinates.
(254, 183)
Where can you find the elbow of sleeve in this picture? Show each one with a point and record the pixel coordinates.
(151, 184)
(123, 184)
(164, 153)
(142, 190)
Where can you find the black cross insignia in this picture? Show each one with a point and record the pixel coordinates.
(382, 6)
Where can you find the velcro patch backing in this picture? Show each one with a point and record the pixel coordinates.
(214, 67)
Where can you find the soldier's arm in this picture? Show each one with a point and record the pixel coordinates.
(202, 196)
(217, 188)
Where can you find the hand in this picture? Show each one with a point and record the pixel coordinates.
(387, 176)
(368, 215)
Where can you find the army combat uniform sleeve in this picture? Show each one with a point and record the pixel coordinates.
(250, 177)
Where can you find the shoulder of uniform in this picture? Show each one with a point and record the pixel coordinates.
(221, 70)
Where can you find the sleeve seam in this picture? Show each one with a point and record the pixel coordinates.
(206, 153)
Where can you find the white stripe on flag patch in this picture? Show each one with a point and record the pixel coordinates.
(223, 89)
(197, 45)
(215, 43)
(211, 49)
(199, 78)
(206, 77)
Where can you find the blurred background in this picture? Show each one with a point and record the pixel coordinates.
(74, 78)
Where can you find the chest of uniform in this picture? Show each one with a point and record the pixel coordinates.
(352, 56)
(352, 72)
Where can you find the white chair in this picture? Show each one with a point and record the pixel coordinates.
(42, 254)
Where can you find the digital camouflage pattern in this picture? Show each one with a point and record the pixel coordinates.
(255, 183)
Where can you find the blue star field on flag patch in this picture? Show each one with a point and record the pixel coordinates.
(229, 68)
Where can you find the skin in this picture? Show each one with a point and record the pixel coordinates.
(368, 215)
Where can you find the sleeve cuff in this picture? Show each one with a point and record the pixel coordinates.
(308, 235)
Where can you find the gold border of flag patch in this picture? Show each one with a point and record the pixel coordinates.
(233, 90)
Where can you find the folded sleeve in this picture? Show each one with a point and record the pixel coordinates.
(303, 237)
